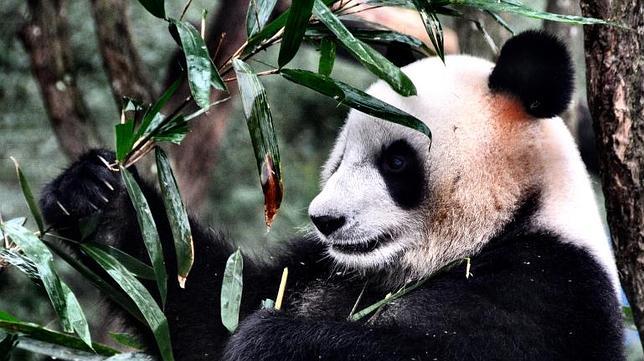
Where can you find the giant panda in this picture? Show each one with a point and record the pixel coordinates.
(494, 221)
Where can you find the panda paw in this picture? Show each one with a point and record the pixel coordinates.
(257, 337)
(83, 189)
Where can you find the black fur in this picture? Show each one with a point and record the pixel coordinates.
(531, 297)
(535, 67)
(405, 185)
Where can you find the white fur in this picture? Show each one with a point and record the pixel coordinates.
(485, 156)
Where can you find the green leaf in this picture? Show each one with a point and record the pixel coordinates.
(153, 117)
(262, 134)
(177, 216)
(106, 289)
(39, 333)
(62, 298)
(375, 36)
(127, 340)
(148, 232)
(7, 345)
(268, 304)
(124, 134)
(231, 291)
(136, 267)
(24, 264)
(371, 59)
(258, 13)
(139, 294)
(173, 131)
(354, 98)
(432, 26)
(327, 56)
(294, 29)
(29, 197)
(520, 9)
(197, 60)
(154, 7)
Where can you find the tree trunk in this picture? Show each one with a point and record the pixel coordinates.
(615, 74)
(46, 40)
(122, 63)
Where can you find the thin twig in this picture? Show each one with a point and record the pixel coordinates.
(185, 9)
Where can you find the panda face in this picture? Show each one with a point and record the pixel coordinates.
(371, 205)
(387, 199)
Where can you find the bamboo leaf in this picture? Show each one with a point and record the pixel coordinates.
(174, 131)
(231, 291)
(62, 298)
(294, 29)
(7, 345)
(139, 294)
(149, 232)
(262, 133)
(374, 36)
(520, 9)
(136, 267)
(154, 7)
(197, 60)
(371, 59)
(127, 340)
(24, 264)
(327, 56)
(106, 289)
(177, 216)
(39, 333)
(432, 26)
(29, 197)
(354, 98)
(124, 138)
(258, 13)
(153, 117)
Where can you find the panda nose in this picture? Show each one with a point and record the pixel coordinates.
(328, 224)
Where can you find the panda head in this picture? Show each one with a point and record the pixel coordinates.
(387, 199)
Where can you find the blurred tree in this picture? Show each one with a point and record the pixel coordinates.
(615, 74)
(46, 39)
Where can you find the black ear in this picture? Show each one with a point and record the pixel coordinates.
(535, 67)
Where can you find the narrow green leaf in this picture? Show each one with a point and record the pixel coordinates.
(215, 78)
(501, 21)
(197, 60)
(520, 9)
(177, 216)
(371, 59)
(258, 13)
(124, 134)
(374, 36)
(153, 117)
(139, 294)
(432, 26)
(354, 98)
(154, 7)
(262, 134)
(127, 340)
(294, 29)
(29, 197)
(231, 291)
(65, 303)
(327, 56)
(174, 130)
(136, 267)
(106, 289)
(7, 345)
(39, 333)
(148, 232)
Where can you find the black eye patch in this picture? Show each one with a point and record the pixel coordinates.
(403, 173)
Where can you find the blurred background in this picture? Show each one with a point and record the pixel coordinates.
(216, 168)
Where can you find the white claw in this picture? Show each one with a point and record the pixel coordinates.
(63, 208)
(104, 199)
(93, 205)
(108, 185)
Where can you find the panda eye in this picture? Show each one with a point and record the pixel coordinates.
(394, 163)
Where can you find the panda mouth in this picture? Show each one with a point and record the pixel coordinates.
(362, 247)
